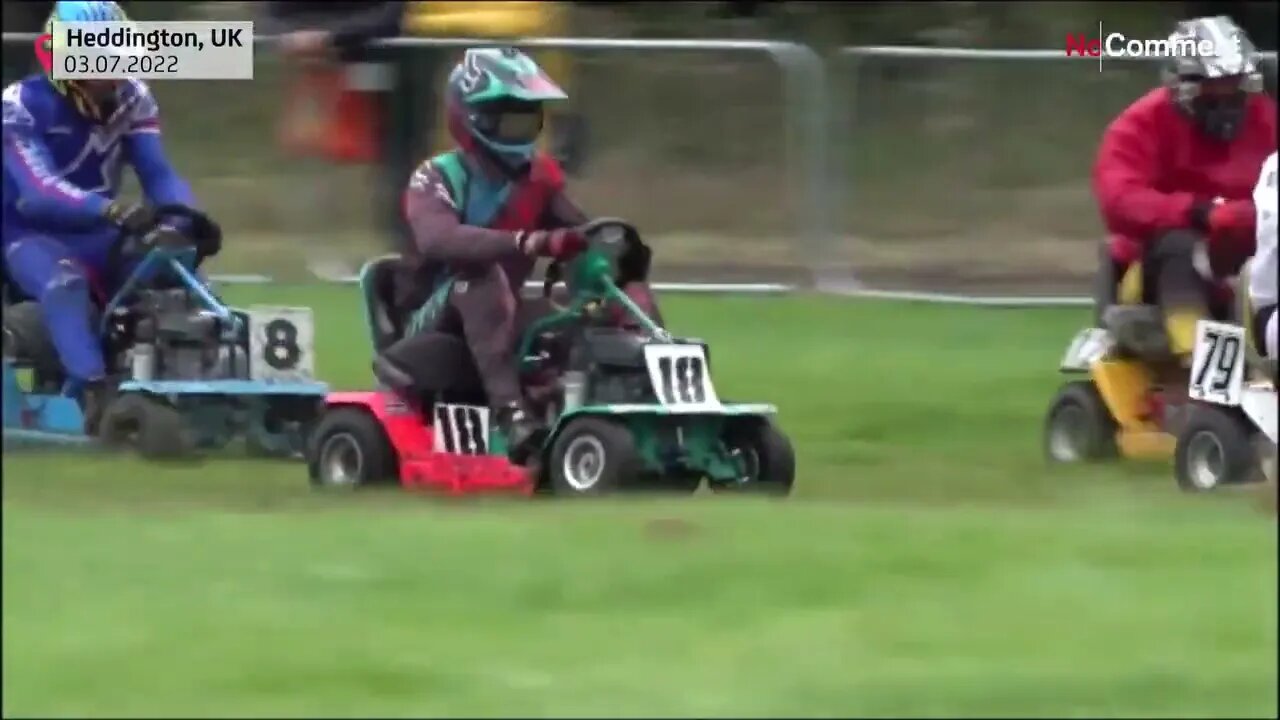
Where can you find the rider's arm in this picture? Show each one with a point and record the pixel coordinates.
(160, 182)
(564, 213)
(438, 232)
(42, 193)
(1125, 178)
(561, 212)
(1262, 275)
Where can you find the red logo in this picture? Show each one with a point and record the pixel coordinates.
(1078, 44)
(44, 52)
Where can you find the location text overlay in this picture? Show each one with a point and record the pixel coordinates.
(150, 50)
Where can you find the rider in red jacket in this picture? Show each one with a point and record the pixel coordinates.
(1174, 178)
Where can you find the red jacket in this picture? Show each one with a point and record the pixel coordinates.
(1154, 164)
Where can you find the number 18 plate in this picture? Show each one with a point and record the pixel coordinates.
(680, 377)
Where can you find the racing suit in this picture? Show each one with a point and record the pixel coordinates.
(1155, 178)
(1262, 271)
(62, 173)
(465, 229)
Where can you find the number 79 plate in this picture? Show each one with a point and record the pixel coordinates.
(1217, 365)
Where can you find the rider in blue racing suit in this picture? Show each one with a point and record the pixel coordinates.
(65, 145)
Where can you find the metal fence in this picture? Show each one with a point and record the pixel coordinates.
(714, 149)
(939, 173)
(966, 172)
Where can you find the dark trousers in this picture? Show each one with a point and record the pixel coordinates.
(486, 311)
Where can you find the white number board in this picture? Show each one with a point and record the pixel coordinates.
(1217, 365)
(1088, 346)
(461, 429)
(680, 377)
(281, 344)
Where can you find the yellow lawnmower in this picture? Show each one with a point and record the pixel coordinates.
(1132, 397)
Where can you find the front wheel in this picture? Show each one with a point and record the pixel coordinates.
(349, 449)
(767, 459)
(593, 456)
(1079, 427)
(1215, 448)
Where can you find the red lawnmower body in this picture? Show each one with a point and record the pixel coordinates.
(421, 465)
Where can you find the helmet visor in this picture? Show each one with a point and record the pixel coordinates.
(511, 125)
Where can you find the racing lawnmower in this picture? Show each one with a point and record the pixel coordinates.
(189, 372)
(1137, 400)
(627, 409)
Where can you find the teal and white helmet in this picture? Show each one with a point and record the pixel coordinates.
(494, 104)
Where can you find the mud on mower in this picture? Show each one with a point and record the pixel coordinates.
(189, 372)
(1216, 420)
(626, 409)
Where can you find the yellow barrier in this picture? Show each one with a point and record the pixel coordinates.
(494, 20)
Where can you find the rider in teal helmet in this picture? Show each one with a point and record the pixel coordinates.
(482, 216)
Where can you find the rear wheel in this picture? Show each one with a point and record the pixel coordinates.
(1216, 448)
(349, 449)
(1079, 428)
(766, 456)
(147, 424)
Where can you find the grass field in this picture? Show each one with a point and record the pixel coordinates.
(929, 564)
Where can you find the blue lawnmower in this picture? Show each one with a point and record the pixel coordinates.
(188, 372)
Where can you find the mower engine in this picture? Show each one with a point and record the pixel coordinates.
(167, 335)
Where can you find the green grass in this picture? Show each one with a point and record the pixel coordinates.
(928, 564)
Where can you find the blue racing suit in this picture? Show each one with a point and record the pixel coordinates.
(61, 172)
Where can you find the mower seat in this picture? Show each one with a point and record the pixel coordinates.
(377, 284)
(1138, 330)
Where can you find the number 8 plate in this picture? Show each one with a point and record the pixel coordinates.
(680, 377)
(281, 344)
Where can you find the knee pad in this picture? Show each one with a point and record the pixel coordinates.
(66, 294)
(66, 283)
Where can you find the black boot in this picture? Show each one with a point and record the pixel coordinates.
(94, 398)
(523, 431)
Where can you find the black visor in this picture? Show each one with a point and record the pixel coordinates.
(510, 123)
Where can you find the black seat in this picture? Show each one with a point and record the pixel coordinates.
(377, 283)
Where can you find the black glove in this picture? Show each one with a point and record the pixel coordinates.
(165, 235)
(133, 219)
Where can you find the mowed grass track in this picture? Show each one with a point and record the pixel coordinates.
(929, 563)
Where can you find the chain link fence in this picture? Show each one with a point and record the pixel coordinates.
(968, 171)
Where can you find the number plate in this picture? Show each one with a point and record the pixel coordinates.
(461, 429)
(1217, 365)
(281, 344)
(1088, 346)
(680, 377)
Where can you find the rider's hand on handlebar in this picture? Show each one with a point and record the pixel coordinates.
(560, 244)
(165, 235)
(1231, 220)
(133, 219)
